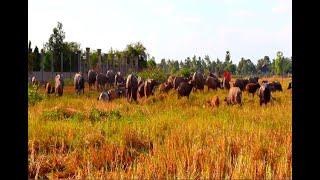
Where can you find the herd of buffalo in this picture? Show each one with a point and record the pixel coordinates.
(133, 86)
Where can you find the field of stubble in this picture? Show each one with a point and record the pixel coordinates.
(160, 137)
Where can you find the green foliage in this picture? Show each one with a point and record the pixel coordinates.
(33, 95)
(151, 63)
(185, 72)
(279, 61)
(96, 114)
(156, 74)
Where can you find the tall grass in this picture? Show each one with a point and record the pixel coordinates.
(160, 137)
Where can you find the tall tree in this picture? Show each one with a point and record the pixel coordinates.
(55, 44)
(279, 63)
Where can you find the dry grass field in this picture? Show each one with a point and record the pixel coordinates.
(160, 137)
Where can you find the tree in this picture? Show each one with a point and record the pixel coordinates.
(37, 60)
(264, 65)
(55, 44)
(246, 67)
(151, 63)
(279, 63)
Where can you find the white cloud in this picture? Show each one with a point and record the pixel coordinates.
(243, 13)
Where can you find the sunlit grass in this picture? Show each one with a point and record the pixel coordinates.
(160, 137)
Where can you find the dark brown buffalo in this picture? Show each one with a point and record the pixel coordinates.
(178, 80)
(78, 83)
(275, 86)
(184, 89)
(91, 78)
(253, 79)
(101, 81)
(290, 85)
(149, 85)
(252, 88)
(213, 83)
(119, 80)
(104, 96)
(241, 83)
(264, 94)
(131, 87)
(58, 85)
(110, 77)
(49, 89)
(170, 80)
(198, 81)
(234, 96)
(141, 89)
(165, 87)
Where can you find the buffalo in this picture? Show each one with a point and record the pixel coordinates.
(253, 79)
(104, 96)
(59, 85)
(241, 83)
(275, 86)
(234, 96)
(226, 84)
(252, 88)
(141, 88)
(149, 85)
(101, 81)
(170, 80)
(213, 83)
(91, 78)
(178, 80)
(165, 87)
(198, 81)
(119, 80)
(49, 89)
(78, 82)
(264, 94)
(110, 77)
(290, 85)
(184, 89)
(132, 87)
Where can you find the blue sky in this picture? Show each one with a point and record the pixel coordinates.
(172, 29)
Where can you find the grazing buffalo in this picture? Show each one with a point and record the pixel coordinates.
(132, 87)
(91, 78)
(101, 81)
(252, 88)
(104, 96)
(253, 79)
(49, 89)
(264, 81)
(198, 81)
(234, 96)
(141, 88)
(184, 89)
(59, 85)
(149, 85)
(213, 83)
(241, 83)
(275, 86)
(78, 82)
(264, 94)
(214, 101)
(165, 87)
(34, 81)
(178, 80)
(170, 80)
(119, 80)
(290, 85)
(110, 77)
(212, 75)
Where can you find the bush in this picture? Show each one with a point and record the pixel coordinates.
(185, 72)
(156, 74)
(33, 95)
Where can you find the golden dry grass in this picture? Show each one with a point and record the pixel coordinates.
(160, 137)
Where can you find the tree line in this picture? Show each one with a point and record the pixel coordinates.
(56, 48)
